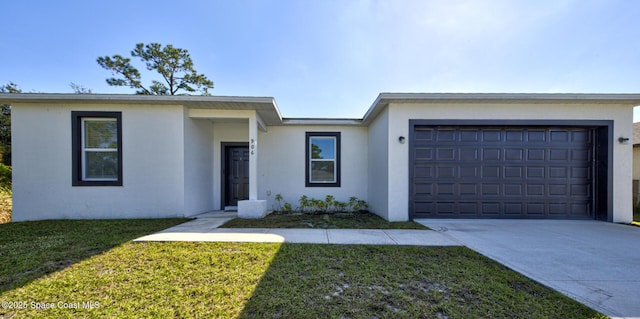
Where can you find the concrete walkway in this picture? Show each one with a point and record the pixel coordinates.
(205, 229)
(596, 263)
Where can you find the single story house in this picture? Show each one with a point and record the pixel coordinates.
(412, 155)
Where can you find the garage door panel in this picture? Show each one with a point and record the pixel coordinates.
(579, 209)
(513, 190)
(491, 171)
(467, 135)
(446, 172)
(446, 208)
(469, 172)
(580, 155)
(536, 154)
(559, 155)
(535, 190)
(423, 154)
(469, 154)
(446, 189)
(515, 135)
(468, 189)
(535, 209)
(513, 154)
(534, 135)
(502, 172)
(558, 209)
(581, 136)
(558, 172)
(422, 172)
(424, 134)
(514, 209)
(490, 208)
(468, 208)
(423, 189)
(491, 154)
(535, 172)
(491, 135)
(558, 190)
(446, 135)
(513, 172)
(559, 135)
(581, 173)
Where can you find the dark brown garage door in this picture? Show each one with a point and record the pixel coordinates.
(502, 172)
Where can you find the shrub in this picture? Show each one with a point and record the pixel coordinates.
(5, 205)
(278, 206)
(5, 177)
(328, 205)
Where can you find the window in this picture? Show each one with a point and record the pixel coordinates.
(323, 159)
(97, 148)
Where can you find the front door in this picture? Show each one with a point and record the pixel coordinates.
(236, 174)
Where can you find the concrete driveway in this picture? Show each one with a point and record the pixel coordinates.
(596, 263)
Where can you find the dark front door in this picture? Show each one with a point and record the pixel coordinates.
(236, 172)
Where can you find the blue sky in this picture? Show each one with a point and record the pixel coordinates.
(331, 58)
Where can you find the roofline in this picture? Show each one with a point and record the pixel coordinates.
(378, 105)
(195, 101)
(164, 99)
(384, 99)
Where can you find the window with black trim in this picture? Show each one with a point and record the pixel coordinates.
(322, 159)
(96, 148)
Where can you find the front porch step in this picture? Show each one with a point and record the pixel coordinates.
(231, 208)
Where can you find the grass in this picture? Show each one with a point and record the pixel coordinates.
(5, 205)
(324, 221)
(31, 250)
(254, 280)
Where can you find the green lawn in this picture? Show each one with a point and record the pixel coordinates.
(93, 262)
(358, 220)
(31, 250)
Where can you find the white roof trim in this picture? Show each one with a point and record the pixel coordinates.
(266, 107)
(165, 99)
(269, 112)
(384, 99)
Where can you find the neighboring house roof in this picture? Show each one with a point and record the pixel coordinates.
(636, 134)
(268, 110)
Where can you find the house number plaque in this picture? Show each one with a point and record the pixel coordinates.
(253, 146)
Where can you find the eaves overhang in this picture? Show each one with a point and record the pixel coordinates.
(266, 107)
(384, 99)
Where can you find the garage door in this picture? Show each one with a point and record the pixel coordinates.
(502, 172)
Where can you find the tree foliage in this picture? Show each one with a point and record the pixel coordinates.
(174, 65)
(80, 89)
(5, 123)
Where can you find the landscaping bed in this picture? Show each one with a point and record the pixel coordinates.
(355, 220)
